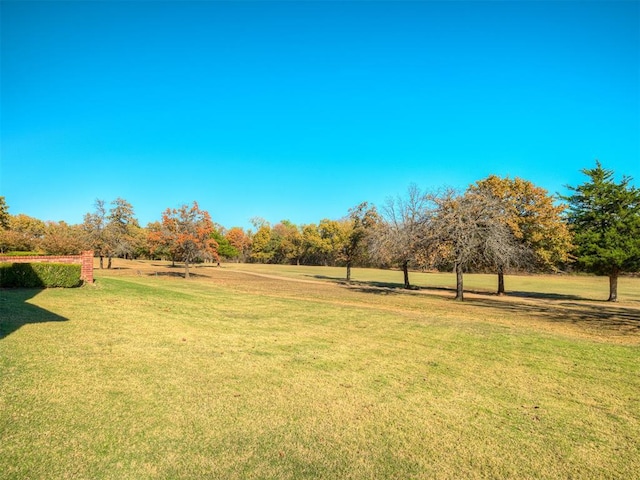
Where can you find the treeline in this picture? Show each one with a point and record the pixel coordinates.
(498, 225)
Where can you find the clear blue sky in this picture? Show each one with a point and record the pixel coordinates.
(301, 110)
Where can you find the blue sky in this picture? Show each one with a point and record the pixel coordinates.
(301, 110)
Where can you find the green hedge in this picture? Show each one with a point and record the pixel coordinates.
(39, 275)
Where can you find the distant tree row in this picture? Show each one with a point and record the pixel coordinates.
(496, 225)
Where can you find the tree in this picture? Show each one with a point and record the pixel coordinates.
(11, 240)
(534, 220)
(261, 245)
(139, 241)
(185, 233)
(274, 246)
(400, 235)
(94, 227)
(63, 239)
(356, 226)
(120, 230)
(312, 251)
(290, 245)
(332, 236)
(115, 233)
(23, 233)
(468, 230)
(239, 240)
(4, 214)
(605, 219)
(157, 247)
(225, 249)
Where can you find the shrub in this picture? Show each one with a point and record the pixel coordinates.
(39, 275)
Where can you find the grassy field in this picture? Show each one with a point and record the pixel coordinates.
(248, 371)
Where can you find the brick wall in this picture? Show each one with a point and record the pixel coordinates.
(85, 259)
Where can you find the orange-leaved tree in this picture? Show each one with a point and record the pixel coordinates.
(240, 241)
(534, 219)
(186, 234)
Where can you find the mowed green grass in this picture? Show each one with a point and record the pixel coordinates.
(231, 375)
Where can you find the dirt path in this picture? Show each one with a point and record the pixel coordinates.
(280, 277)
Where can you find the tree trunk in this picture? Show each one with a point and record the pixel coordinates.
(405, 270)
(613, 286)
(101, 262)
(186, 269)
(459, 286)
(501, 280)
(109, 261)
(348, 271)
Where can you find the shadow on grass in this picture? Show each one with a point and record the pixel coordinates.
(548, 296)
(513, 294)
(376, 290)
(557, 308)
(173, 274)
(363, 284)
(16, 312)
(374, 287)
(325, 277)
(382, 288)
(601, 315)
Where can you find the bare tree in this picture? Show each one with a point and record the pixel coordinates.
(94, 226)
(400, 235)
(468, 231)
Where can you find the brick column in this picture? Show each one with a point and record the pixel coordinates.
(86, 273)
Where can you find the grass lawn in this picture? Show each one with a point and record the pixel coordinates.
(247, 372)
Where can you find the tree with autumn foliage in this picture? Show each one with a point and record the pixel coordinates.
(534, 220)
(22, 233)
(261, 245)
(186, 233)
(239, 240)
(360, 222)
(288, 242)
(312, 245)
(225, 249)
(61, 238)
(154, 248)
(327, 240)
(468, 231)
